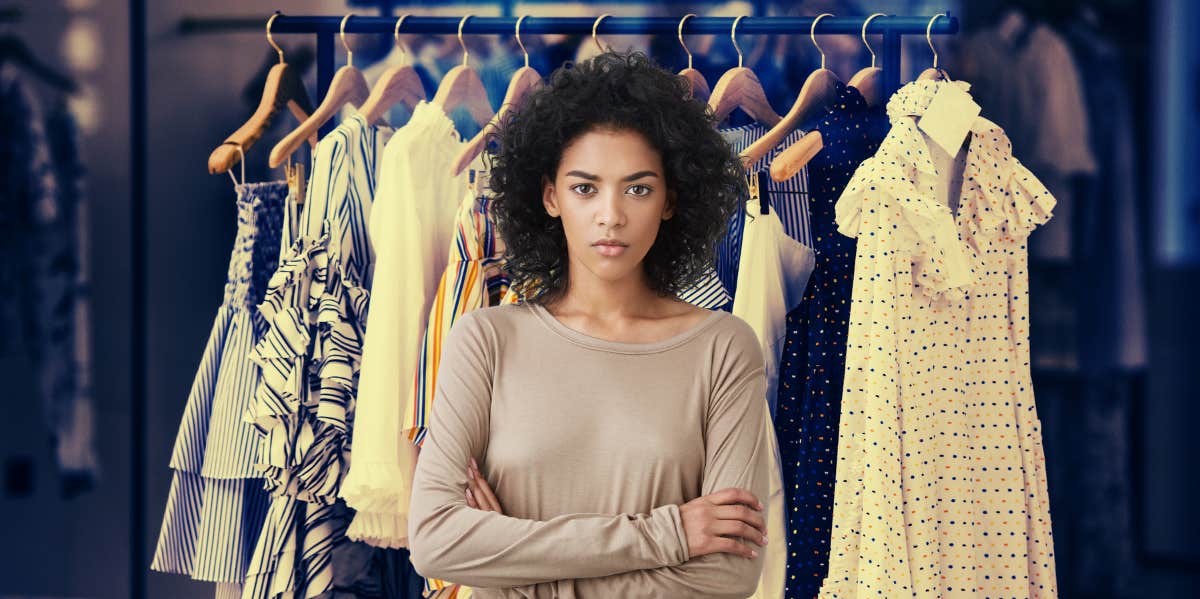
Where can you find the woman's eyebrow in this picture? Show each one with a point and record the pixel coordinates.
(582, 175)
(591, 177)
(639, 175)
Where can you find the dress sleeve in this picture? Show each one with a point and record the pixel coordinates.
(377, 484)
(451, 541)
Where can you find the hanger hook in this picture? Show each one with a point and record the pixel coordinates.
(461, 43)
(685, 48)
(929, 38)
(342, 34)
(396, 34)
(733, 36)
(812, 35)
(596, 25)
(271, 40)
(864, 36)
(520, 43)
(242, 161)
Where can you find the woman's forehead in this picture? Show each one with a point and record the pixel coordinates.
(610, 152)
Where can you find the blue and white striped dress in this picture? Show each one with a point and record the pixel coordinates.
(216, 503)
(316, 307)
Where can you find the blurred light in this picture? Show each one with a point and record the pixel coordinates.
(86, 106)
(82, 48)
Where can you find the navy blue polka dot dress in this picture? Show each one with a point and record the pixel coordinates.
(810, 374)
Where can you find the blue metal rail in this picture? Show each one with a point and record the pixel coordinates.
(326, 29)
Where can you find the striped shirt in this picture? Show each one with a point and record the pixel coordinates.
(788, 200)
(474, 278)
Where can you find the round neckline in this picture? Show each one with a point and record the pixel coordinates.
(581, 338)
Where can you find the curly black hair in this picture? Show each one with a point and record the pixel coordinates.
(623, 91)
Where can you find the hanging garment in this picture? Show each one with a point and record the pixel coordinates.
(789, 201)
(941, 487)
(814, 354)
(1026, 80)
(216, 502)
(28, 207)
(588, 434)
(70, 377)
(775, 269)
(474, 279)
(1107, 248)
(316, 309)
(42, 223)
(1089, 415)
(411, 230)
(708, 292)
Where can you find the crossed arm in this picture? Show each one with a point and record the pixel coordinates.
(673, 551)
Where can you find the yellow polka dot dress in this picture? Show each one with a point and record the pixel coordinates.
(940, 480)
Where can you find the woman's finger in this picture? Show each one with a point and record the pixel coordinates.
(738, 529)
(742, 513)
(733, 496)
(487, 497)
(725, 545)
(471, 499)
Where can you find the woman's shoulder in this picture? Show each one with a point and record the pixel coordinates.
(736, 337)
(493, 321)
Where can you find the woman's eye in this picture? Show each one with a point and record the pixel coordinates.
(583, 188)
(640, 190)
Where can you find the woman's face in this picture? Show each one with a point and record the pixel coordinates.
(610, 192)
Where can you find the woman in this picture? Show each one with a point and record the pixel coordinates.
(621, 429)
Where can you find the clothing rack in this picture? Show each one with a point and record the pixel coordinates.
(326, 29)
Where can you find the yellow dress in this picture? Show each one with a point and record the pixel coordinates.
(940, 486)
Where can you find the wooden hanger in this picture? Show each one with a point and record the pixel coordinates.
(398, 85)
(700, 89)
(739, 88)
(933, 73)
(867, 81)
(349, 86)
(463, 87)
(818, 91)
(795, 157)
(283, 87)
(525, 80)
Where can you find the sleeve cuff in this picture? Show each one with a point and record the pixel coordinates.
(667, 528)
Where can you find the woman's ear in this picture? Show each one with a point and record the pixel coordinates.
(549, 201)
(669, 206)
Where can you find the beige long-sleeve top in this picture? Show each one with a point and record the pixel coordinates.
(591, 446)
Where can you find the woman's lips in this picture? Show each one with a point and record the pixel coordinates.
(610, 250)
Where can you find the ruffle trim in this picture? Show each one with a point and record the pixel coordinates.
(389, 531)
(940, 266)
(914, 97)
(381, 487)
(310, 358)
(1009, 199)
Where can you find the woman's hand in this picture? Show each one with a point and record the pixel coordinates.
(479, 494)
(713, 522)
